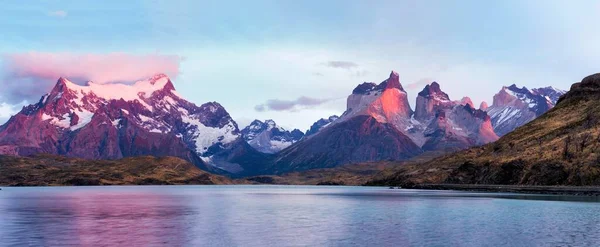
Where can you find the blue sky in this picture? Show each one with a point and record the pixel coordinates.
(244, 53)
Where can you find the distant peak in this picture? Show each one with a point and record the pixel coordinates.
(392, 82)
(364, 88)
(61, 85)
(256, 122)
(157, 77)
(64, 81)
(516, 88)
(433, 89)
(483, 106)
(467, 101)
(270, 122)
(158, 81)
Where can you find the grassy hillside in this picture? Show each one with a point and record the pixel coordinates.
(561, 147)
(50, 170)
(351, 174)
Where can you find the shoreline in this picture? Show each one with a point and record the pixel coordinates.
(523, 189)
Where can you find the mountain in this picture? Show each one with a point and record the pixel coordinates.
(319, 124)
(112, 121)
(552, 93)
(359, 139)
(450, 125)
(379, 124)
(267, 137)
(558, 148)
(514, 106)
(49, 170)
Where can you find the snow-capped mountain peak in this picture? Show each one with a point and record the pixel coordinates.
(268, 137)
(514, 106)
(120, 120)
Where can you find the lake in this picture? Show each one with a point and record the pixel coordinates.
(291, 216)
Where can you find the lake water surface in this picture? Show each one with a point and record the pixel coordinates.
(291, 216)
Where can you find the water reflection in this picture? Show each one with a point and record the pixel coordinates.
(289, 216)
(96, 217)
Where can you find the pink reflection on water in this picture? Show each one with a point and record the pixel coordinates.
(106, 218)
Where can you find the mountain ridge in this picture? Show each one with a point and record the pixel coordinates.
(558, 148)
(117, 120)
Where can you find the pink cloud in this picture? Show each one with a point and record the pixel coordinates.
(419, 84)
(28, 75)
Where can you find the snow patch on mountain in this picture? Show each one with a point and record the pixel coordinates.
(268, 137)
(204, 137)
(514, 106)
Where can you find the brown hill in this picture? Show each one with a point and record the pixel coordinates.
(561, 147)
(50, 170)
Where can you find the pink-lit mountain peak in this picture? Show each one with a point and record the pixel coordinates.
(141, 89)
(392, 82)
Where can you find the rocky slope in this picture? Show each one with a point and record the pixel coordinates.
(379, 124)
(561, 147)
(319, 124)
(514, 106)
(359, 139)
(118, 120)
(49, 170)
(267, 137)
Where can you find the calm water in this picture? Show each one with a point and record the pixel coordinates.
(290, 216)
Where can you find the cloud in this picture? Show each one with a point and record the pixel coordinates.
(341, 64)
(27, 76)
(6, 111)
(419, 83)
(302, 102)
(58, 13)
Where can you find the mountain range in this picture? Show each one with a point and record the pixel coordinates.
(148, 117)
(267, 137)
(560, 147)
(379, 124)
(113, 121)
(514, 106)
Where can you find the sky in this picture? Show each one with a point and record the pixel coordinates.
(295, 61)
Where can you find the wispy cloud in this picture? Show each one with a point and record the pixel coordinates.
(302, 102)
(26, 76)
(419, 83)
(341, 64)
(58, 13)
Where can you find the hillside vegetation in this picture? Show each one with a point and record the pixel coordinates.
(51, 170)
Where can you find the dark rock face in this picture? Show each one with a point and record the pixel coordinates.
(319, 124)
(431, 100)
(364, 88)
(116, 121)
(267, 137)
(359, 139)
